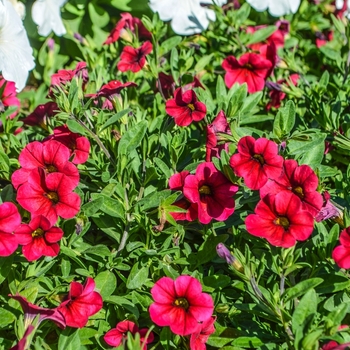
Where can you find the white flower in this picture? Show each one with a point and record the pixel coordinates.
(276, 8)
(16, 55)
(19, 7)
(187, 16)
(339, 4)
(47, 15)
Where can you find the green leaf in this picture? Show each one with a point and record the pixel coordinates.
(301, 288)
(6, 317)
(285, 120)
(114, 118)
(106, 283)
(261, 35)
(74, 126)
(169, 44)
(132, 138)
(92, 207)
(5, 267)
(123, 302)
(110, 206)
(138, 276)
(69, 339)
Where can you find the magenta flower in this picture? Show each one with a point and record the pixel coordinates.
(38, 238)
(202, 334)
(41, 114)
(256, 161)
(180, 304)
(118, 335)
(22, 343)
(81, 303)
(341, 253)
(10, 219)
(212, 192)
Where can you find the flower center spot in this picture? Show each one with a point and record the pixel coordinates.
(259, 158)
(38, 233)
(282, 221)
(191, 107)
(205, 190)
(299, 192)
(248, 66)
(53, 197)
(182, 302)
(50, 168)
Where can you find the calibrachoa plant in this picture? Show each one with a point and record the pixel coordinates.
(174, 174)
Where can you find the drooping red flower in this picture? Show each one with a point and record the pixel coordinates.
(81, 303)
(341, 253)
(65, 75)
(10, 219)
(276, 94)
(180, 304)
(41, 114)
(200, 337)
(176, 183)
(38, 238)
(127, 21)
(118, 335)
(218, 127)
(300, 180)
(79, 145)
(256, 161)
(166, 84)
(50, 196)
(280, 219)
(212, 192)
(185, 107)
(51, 156)
(8, 96)
(251, 68)
(134, 59)
(22, 343)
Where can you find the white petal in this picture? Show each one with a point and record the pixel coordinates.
(294, 5)
(339, 4)
(259, 5)
(164, 8)
(16, 57)
(47, 15)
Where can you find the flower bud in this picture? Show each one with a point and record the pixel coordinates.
(225, 254)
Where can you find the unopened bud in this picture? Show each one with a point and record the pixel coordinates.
(222, 309)
(225, 254)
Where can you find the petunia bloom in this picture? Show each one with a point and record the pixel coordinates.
(218, 127)
(300, 180)
(49, 195)
(341, 253)
(276, 8)
(10, 219)
(166, 85)
(38, 238)
(250, 68)
(22, 343)
(78, 145)
(66, 75)
(187, 16)
(118, 335)
(8, 96)
(180, 304)
(256, 161)
(81, 303)
(212, 192)
(46, 15)
(41, 114)
(16, 55)
(185, 107)
(134, 59)
(51, 156)
(127, 21)
(280, 219)
(201, 335)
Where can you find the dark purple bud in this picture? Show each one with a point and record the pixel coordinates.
(225, 254)
(78, 37)
(273, 86)
(51, 44)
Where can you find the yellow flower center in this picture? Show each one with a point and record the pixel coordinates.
(282, 221)
(299, 192)
(38, 233)
(259, 158)
(52, 196)
(182, 302)
(191, 107)
(205, 190)
(50, 168)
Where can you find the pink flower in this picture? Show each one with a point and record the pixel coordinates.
(134, 59)
(10, 219)
(328, 210)
(185, 107)
(38, 238)
(200, 337)
(212, 192)
(341, 253)
(22, 343)
(41, 114)
(256, 161)
(118, 335)
(250, 68)
(81, 303)
(166, 84)
(66, 75)
(8, 96)
(280, 219)
(180, 304)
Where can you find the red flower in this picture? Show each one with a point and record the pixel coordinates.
(176, 183)
(341, 254)
(180, 304)
(38, 238)
(134, 59)
(8, 96)
(9, 221)
(50, 196)
(300, 180)
(22, 343)
(166, 84)
(81, 303)
(214, 130)
(212, 192)
(127, 22)
(256, 161)
(276, 94)
(185, 107)
(51, 156)
(41, 114)
(323, 38)
(200, 337)
(65, 75)
(280, 219)
(333, 345)
(118, 335)
(79, 145)
(251, 68)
